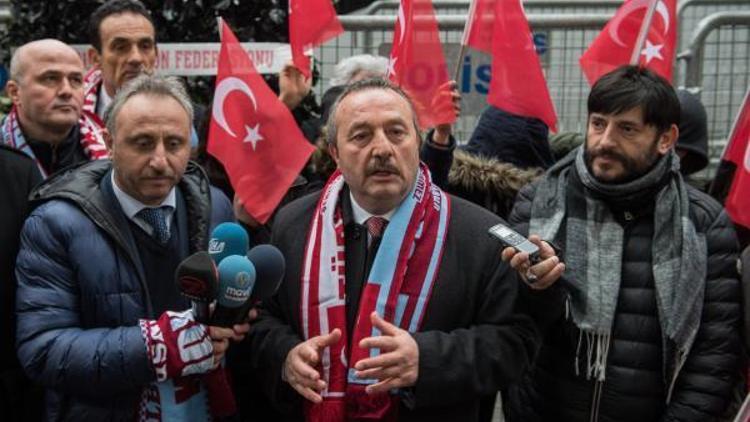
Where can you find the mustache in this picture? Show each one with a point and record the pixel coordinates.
(381, 166)
(606, 153)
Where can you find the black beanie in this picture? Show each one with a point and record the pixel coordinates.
(693, 138)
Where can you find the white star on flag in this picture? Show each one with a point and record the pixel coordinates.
(651, 51)
(253, 135)
(392, 66)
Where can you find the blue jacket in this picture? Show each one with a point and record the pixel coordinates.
(82, 290)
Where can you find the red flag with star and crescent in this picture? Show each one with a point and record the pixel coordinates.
(252, 133)
(311, 23)
(517, 84)
(738, 152)
(615, 45)
(417, 63)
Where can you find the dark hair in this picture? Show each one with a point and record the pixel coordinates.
(113, 7)
(628, 87)
(364, 85)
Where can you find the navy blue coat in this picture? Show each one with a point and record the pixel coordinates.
(82, 290)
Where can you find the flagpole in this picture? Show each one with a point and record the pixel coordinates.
(464, 39)
(645, 26)
(218, 24)
(736, 123)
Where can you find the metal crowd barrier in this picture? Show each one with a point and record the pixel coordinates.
(454, 7)
(691, 12)
(566, 36)
(716, 64)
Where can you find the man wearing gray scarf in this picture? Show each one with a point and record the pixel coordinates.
(642, 320)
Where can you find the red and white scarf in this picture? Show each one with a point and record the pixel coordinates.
(398, 288)
(90, 132)
(92, 82)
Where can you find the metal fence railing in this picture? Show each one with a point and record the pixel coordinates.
(691, 12)
(461, 7)
(716, 64)
(567, 36)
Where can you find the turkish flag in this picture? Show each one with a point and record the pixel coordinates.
(478, 34)
(311, 23)
(614, 46)
(517, 84)
(252, 133)
(738, 152)
(417, 63)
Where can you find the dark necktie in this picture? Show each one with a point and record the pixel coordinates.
(156, 219)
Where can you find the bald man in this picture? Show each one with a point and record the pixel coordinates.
(47, 122)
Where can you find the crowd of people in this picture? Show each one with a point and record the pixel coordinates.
(396, 303)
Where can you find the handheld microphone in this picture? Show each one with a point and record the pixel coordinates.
(196, 279)
(269, 269)
(227, 239)
(236, 281)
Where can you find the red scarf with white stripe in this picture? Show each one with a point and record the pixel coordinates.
(92, 82)
(398, 287)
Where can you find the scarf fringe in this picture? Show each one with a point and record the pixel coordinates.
(597, 351)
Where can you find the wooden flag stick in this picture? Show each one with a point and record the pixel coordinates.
(465, 39)
(643, 33)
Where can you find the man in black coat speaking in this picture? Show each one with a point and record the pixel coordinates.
(395, 304)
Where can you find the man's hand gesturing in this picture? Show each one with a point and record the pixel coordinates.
(299, 367)
(397, 365)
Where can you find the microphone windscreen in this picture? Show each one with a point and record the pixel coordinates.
(236, 281)
(269, 269)
(227, 239)
(196, 277)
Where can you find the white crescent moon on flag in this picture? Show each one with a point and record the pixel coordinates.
(662, 9)
(401, 23)
(226, 86)
(747, 156)
(630, 7)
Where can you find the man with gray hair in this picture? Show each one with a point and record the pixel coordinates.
(96, 296)
(47, 122)
(366, 324)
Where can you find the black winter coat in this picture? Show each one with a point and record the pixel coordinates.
(19, 175)
(472, 341)
(635, 388)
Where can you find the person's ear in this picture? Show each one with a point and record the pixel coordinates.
(12, 89)
(94, 57)
(333, 151)
(108, 141)
(668, 139)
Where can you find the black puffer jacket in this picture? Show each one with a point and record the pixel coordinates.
(635, 388)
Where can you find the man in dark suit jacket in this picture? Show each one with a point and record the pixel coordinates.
(396, 304)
